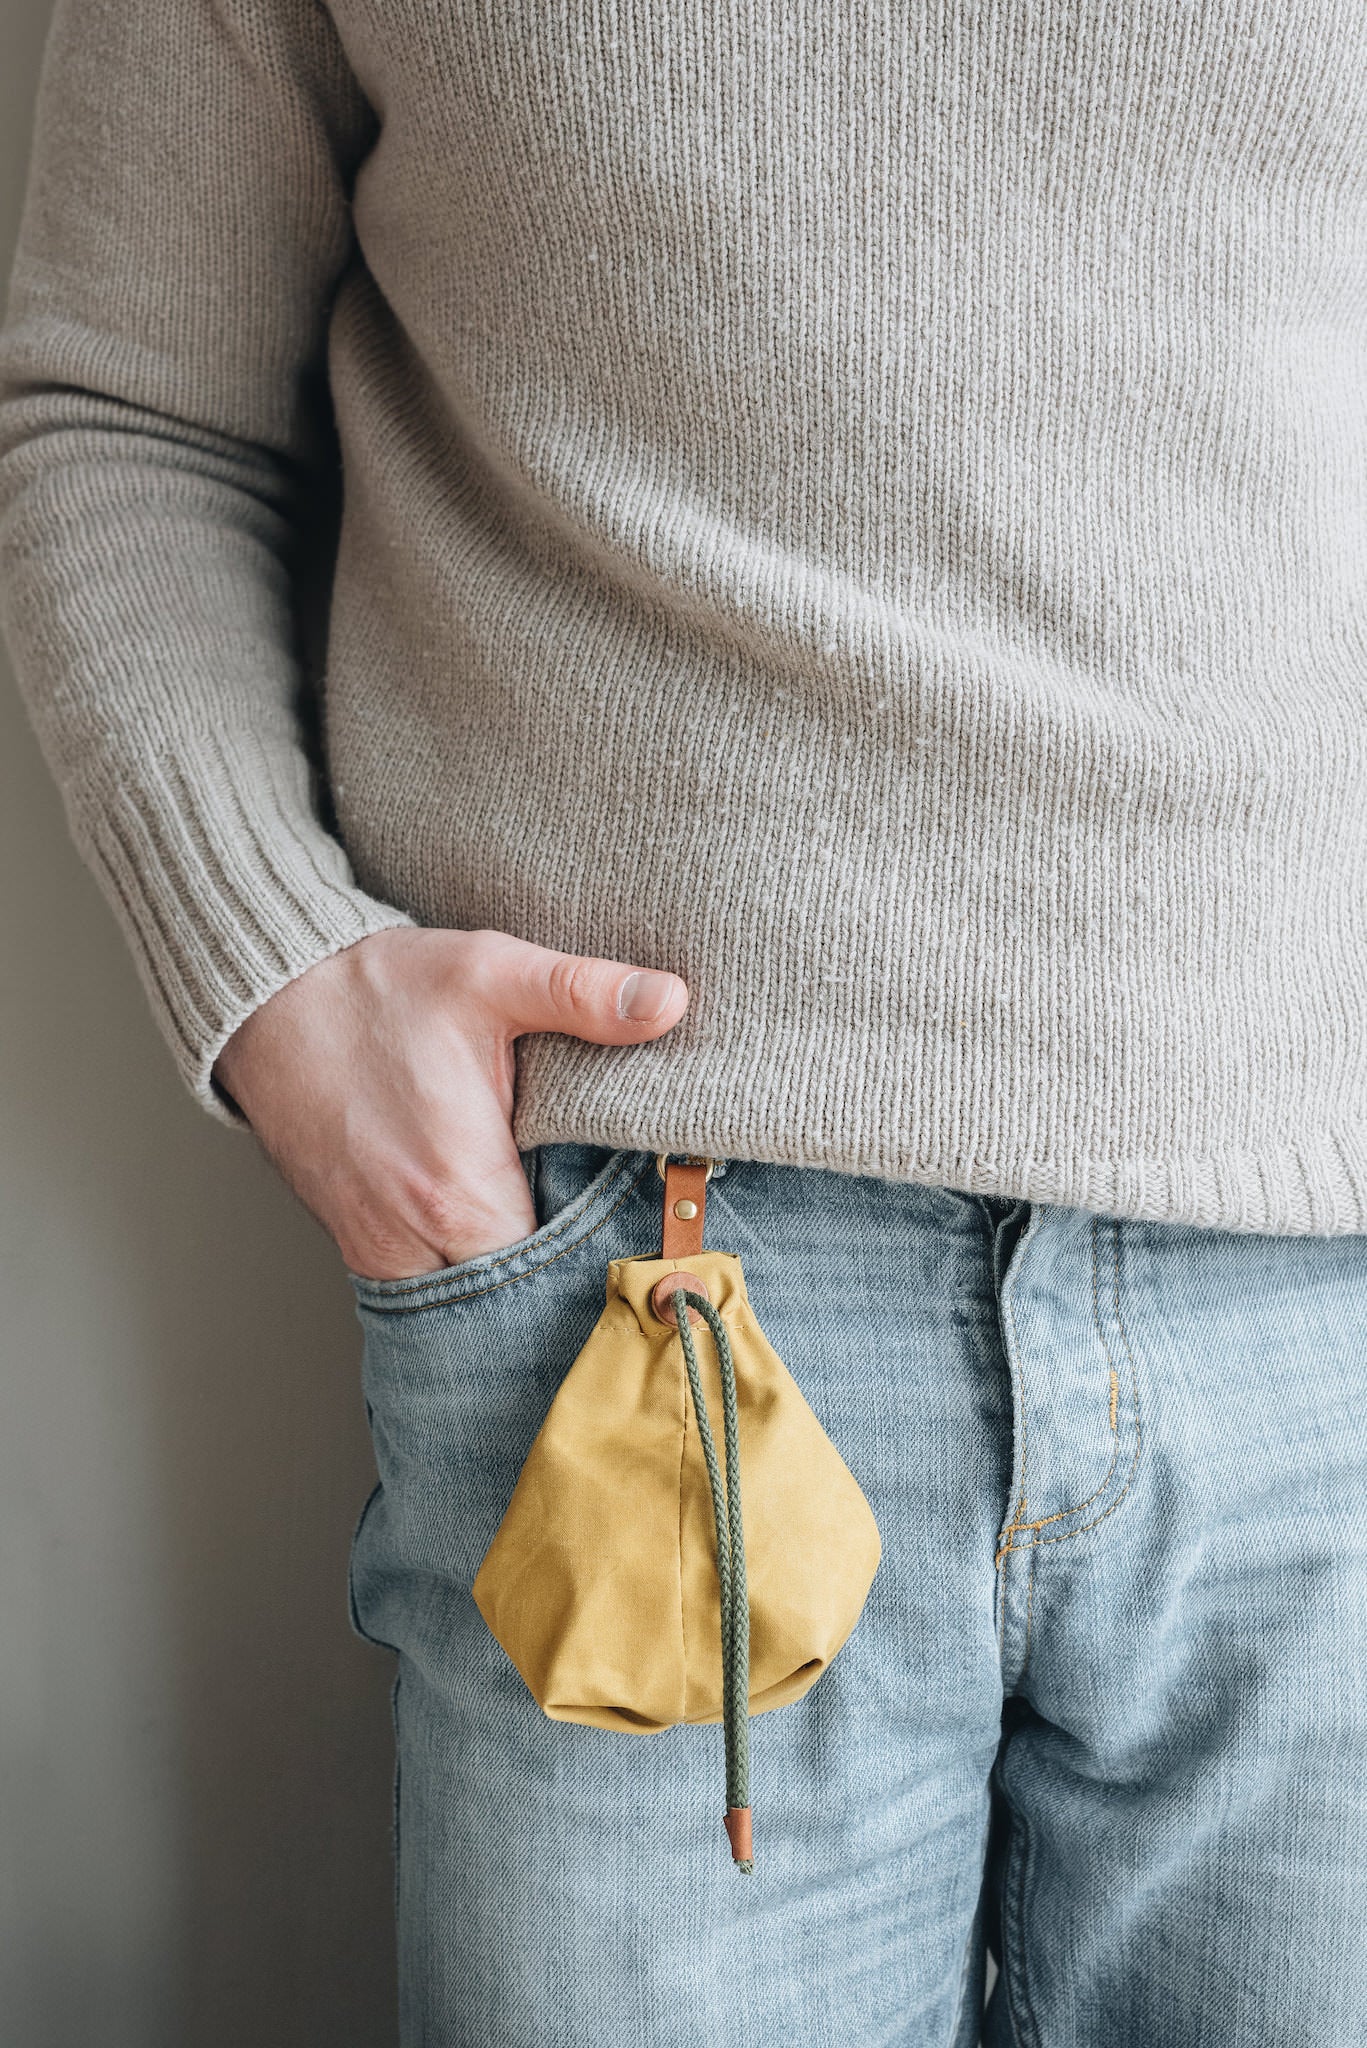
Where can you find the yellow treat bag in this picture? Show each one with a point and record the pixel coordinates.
(633, 1583)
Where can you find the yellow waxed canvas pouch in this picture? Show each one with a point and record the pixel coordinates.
(646, 1574)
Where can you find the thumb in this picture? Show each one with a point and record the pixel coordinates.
(608, 1001)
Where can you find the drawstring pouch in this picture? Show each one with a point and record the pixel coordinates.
(639, 1579)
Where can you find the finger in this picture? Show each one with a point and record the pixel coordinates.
(610, 1002)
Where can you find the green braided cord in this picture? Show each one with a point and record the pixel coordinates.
(719, 1508)
(726, 1511)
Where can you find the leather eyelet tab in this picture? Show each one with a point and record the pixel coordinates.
(662, 1296)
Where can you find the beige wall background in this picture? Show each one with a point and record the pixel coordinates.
(195, 1753)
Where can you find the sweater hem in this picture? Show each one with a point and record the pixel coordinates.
(1315, 1186)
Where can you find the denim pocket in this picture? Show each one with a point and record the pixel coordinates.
(579, 1185)
(460, 1367)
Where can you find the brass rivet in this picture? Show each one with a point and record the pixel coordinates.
(685, 1209)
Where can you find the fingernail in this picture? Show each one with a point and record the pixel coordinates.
(644, 996)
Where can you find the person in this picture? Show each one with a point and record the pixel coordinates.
(783, 588)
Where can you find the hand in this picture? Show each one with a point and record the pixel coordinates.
(380, 1083)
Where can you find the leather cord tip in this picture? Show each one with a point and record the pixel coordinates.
(736, 1821)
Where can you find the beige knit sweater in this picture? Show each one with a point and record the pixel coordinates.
(865, 506)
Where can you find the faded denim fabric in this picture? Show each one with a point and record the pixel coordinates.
(1105, 1707)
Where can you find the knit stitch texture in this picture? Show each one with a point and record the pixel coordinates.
(864, 506)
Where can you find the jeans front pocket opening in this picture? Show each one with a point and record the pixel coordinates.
(586, 1210)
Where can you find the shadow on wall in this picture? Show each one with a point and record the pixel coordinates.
(196, 1749)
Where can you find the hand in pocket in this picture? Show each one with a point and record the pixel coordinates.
(380, 1083)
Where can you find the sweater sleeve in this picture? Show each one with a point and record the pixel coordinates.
(165, 436)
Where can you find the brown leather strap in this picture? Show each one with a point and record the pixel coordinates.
(736, 1821)
(686, 1182)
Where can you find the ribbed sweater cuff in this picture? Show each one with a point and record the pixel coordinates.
(225, 882)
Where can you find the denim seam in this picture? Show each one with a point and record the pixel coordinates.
(1005, 1546)
(396, 1821)
(1061, 1514)
(1024, 2027)
(379, 1642)
(1068, 1534)
(1001, 1608)
(970, 1945)
(1029, 1617)
(381, 1308)
(1134, 1384)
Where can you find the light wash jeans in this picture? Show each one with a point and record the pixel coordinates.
(1105, 1709)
